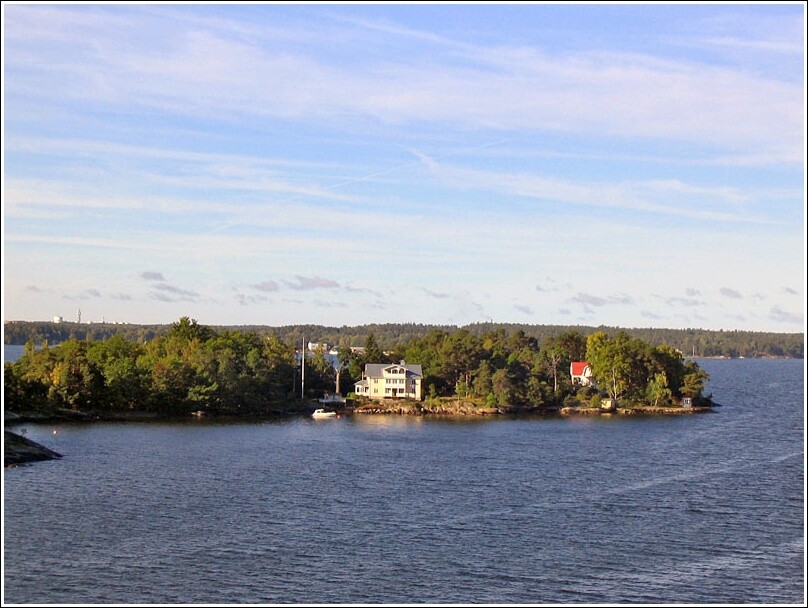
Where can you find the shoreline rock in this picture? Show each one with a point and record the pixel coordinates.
(635, 410)
(20, 450)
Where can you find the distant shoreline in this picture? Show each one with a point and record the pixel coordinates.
(730, 343)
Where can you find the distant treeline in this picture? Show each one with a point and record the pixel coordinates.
(389, 336)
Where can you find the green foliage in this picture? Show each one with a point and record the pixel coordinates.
(628, 367)
(657, 391)
(693, 381)
(192, 367)
(571, 401)
(373, 354)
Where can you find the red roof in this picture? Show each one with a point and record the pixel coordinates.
(578, 367)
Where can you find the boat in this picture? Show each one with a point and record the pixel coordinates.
(321, 413)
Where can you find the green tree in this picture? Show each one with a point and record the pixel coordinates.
(483, 383)
(460, 355)
(693, 381)
(373, 354)
(657, 390)
(617, 363)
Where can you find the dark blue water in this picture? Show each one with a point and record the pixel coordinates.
(694, 509)
(12, 352)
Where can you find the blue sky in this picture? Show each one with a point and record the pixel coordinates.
(629, 165)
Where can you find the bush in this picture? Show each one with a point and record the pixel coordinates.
(585, 393)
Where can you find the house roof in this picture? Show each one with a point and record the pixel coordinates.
(375, 370)
(577, 368)
(361, 383)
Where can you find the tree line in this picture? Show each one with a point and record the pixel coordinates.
(692, 342)
(197, 368)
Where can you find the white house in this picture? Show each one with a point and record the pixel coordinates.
(390, 381)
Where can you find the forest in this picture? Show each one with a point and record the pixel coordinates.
(691, 342)
(195, 368)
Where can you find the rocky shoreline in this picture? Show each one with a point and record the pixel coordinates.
(20, 450)
(635, 410)
(451, 407)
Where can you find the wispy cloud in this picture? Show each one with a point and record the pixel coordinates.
(767, 46)
(329, 304)
(352, 289)
(672, 198)
(151, 275)
(435, 294)
(308, 283)
(245, 300)
(267, 286)
(686, 302)
(522, 308)
(783, 316)
(791, 291)
(622, 299)
(588, 299)
(730, 293)
(172, 293)
(204, 70)
(547, 288)
(86, 294)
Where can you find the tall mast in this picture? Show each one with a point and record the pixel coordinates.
(303, 370)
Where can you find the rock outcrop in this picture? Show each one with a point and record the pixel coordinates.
(19, 450)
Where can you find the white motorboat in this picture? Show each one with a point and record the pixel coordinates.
(320, 413)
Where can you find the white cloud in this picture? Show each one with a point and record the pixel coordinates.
(730, 293)
(151, 275)
(650, 197)
(783, 316)
(266, 286)
(309, 283)
(200, 70)
(435, 294)
(686, 302)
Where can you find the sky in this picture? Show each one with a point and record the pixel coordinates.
(276, 164)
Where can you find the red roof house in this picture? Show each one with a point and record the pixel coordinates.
(581, 373)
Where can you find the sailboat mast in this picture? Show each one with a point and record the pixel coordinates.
(303, 370)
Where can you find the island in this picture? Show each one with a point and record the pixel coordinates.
(199, 371)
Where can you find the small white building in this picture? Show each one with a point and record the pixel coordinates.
(57, 320)
(390, 381)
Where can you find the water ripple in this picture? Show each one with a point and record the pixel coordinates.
(699, 509)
